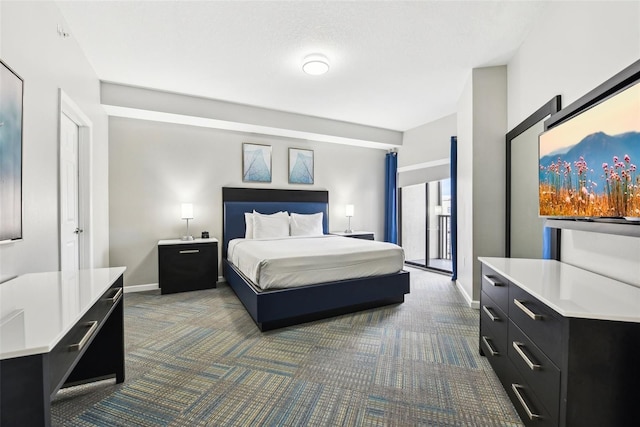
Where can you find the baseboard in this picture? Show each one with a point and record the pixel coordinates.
(473, 304)
(154, 286)
(140, 288)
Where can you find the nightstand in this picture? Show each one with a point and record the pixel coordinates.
(365, 235)
(187, 265)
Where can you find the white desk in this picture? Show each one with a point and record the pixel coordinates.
(57, 329)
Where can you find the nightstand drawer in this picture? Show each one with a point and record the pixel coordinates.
(364, 235)
(187, 266)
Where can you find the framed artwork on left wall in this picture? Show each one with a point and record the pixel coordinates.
(11, 97)
(256, 163)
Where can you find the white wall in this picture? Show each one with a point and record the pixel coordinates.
(574, 48)
(424, 154)
(31, 46)
(156, 166)
(428, 142)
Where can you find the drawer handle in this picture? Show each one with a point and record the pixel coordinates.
(530, 364)
(115, 296)
(532, 416)
(492, 282)
(487, 342)
(531, 314)
(493, 317)
(92, 327)
(190, 251)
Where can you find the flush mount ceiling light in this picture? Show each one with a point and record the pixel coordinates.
(315, 64)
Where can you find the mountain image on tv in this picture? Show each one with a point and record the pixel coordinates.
(597, 177)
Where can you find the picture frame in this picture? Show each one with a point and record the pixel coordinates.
(256, 162)
(11, 134)
(301, 166)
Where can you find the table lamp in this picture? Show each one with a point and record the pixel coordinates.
(187, 213)
(349, 214)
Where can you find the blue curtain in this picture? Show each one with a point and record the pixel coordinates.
(546, 243)
(391, 199)
(454, 207)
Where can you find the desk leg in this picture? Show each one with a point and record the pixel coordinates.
(24, 391)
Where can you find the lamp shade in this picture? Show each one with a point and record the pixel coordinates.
(349, 210)
(187, 211)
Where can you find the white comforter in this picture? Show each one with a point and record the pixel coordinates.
(296, 261)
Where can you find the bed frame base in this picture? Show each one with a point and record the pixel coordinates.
(278, 308)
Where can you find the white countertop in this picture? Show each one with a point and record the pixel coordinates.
(187, 242)
(571, 291)
(37, 310)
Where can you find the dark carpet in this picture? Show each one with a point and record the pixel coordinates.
(197, 359)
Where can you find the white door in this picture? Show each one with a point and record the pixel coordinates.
(69, 223)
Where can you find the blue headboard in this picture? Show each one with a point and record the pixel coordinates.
(237, 201)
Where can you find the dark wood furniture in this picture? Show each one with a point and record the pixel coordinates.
(282, 307)
(187, 265)
(66, 329)
(364, 235)
(572, 365)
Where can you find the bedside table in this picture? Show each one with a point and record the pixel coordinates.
(187, 265)
(365, 235)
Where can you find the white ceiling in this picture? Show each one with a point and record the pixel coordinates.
(394, 65)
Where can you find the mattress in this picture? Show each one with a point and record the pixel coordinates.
(297, 261)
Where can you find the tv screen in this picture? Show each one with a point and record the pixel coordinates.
(588, 163)
(10, 154)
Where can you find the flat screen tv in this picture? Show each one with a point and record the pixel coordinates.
(11, 92)
(588, 163)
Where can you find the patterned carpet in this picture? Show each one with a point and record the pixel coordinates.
(197, 359)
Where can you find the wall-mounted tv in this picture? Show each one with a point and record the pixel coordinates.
(588, 164)
(11, 95)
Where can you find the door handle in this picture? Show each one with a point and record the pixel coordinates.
(78, 230)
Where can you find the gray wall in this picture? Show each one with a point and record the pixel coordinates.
(156, 166)
(482, 123)
(29, 44)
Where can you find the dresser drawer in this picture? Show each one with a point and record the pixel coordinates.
(69, 349)
(542, 325)
(496, 287)
(493, 334)
(532, 412)
(537, 369)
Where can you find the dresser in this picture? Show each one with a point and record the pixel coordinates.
(57, 329)
(564, 342)
(187, 265)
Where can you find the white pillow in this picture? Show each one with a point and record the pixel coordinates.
(306, 225)
(270, 226)
(248, 221)
(248, 225)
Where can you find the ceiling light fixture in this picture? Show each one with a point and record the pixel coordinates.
(315, 64)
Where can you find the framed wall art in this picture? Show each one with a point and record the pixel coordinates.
(256, 163)
(300, 166)
(11, 97)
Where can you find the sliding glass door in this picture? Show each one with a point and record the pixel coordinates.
(425, 216)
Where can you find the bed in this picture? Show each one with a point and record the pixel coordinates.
(279, 307)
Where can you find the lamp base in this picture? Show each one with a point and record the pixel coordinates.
(348, 231)
(186, 238)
